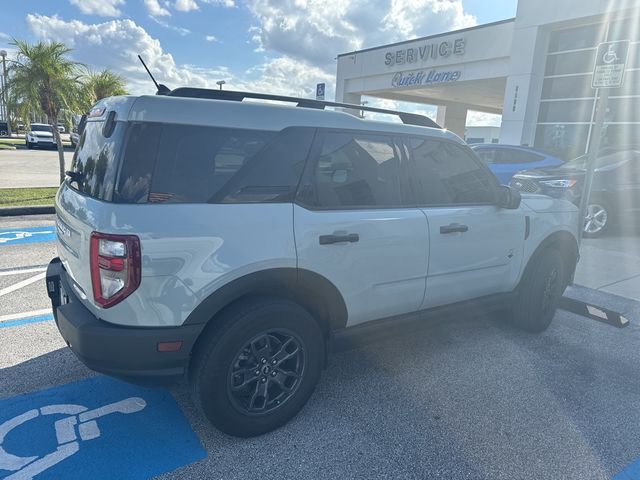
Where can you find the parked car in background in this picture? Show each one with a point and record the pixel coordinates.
(4, 129)
(40, 135)
(506, 160)
(61, 128)
(615, 190)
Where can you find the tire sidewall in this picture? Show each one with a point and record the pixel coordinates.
(529, 313)
(211, 377)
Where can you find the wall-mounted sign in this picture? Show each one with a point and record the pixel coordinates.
(425, 53)
(424, 77)
(611, 59)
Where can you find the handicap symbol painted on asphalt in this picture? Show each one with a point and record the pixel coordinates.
(96, 428)
(80, 416)
(20, 236)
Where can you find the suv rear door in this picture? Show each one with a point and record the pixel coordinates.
(354, 224)
(475, 246)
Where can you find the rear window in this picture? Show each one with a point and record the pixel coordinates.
(95, 160)
(166, 163)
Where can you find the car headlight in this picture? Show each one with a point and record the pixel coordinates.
(559, 183)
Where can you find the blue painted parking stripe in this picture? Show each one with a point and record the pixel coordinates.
(26, 320)
(95, 428)
(631, 472)
(22, 236)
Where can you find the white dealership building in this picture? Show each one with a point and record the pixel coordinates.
(534, 69)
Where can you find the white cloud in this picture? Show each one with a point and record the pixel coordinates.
(223, 3)
(483, 119)
(104, 8)
(179, 30)
(155, 9)
(186, 5)
(211, 38)
(114, 44)
(317, 31)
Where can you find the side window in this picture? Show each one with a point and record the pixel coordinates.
(194, 163)
(447, 174)
(518, 156)
(486, 155)
(273, 175)
(166, 163)
(358, 170)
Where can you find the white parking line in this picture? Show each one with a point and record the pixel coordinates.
(17, 316)
(23, 283)
(22, 270)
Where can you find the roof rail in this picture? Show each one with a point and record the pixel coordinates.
(406, 117)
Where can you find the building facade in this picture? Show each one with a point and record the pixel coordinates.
(535, 70)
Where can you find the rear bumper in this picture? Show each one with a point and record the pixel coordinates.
(130, 353)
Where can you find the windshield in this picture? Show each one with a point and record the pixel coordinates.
(41, 128)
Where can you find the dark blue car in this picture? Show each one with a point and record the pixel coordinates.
(507, 160)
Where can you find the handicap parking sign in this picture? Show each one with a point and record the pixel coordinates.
(96, 428)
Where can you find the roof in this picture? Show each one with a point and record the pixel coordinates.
(249, 115)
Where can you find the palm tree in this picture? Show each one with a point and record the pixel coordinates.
(101, 85)
(44, 80)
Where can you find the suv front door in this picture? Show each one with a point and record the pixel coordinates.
(356, 224)
(475, 246)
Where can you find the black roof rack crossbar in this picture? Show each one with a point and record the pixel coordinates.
(406, 117)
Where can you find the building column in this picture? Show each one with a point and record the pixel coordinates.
(453, 117)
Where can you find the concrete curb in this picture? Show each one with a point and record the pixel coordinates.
(628, 307)
(30, 210)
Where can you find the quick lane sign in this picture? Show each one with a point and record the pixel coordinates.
(611, 60)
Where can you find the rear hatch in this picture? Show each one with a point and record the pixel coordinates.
(83, 201)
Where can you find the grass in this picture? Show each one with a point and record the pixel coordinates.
(20, 142)
(11, 141)
(21, 197)
(6, 147)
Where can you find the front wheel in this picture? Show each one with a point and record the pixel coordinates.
(257, 368)
(597, 219)
(539, 292)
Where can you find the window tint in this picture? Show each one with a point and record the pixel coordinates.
(448, 174)
(188, 164)
(96, 159)
(513, 156)
(194, 163)
(358, 170)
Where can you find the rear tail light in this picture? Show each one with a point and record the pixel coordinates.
(115, 267)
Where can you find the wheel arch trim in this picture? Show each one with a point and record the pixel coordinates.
(313, 291)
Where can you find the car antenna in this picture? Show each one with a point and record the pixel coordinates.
(162, 89)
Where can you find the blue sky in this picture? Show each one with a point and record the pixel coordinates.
(285, 46)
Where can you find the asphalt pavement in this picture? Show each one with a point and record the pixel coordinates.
(465, 397)
(31, 168)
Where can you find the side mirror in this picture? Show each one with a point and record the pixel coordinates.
(508, 197)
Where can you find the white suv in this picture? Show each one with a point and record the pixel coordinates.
(228, 240)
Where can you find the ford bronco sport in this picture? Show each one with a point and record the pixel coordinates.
(205, 236)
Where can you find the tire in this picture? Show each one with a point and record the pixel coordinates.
(539, 292)
(29, 146)
(598, 220)
(222, 376)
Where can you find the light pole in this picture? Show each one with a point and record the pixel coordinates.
(3, 54)
(220, 83)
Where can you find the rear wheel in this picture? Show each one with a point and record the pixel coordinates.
(597, 219)
(29, 145)
(257, 368)
(539, 292)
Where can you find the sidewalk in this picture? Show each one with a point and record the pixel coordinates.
(611, 264)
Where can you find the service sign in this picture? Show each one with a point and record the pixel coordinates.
(611, 59)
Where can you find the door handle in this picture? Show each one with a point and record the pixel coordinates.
(453, 228)
(347, 237)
